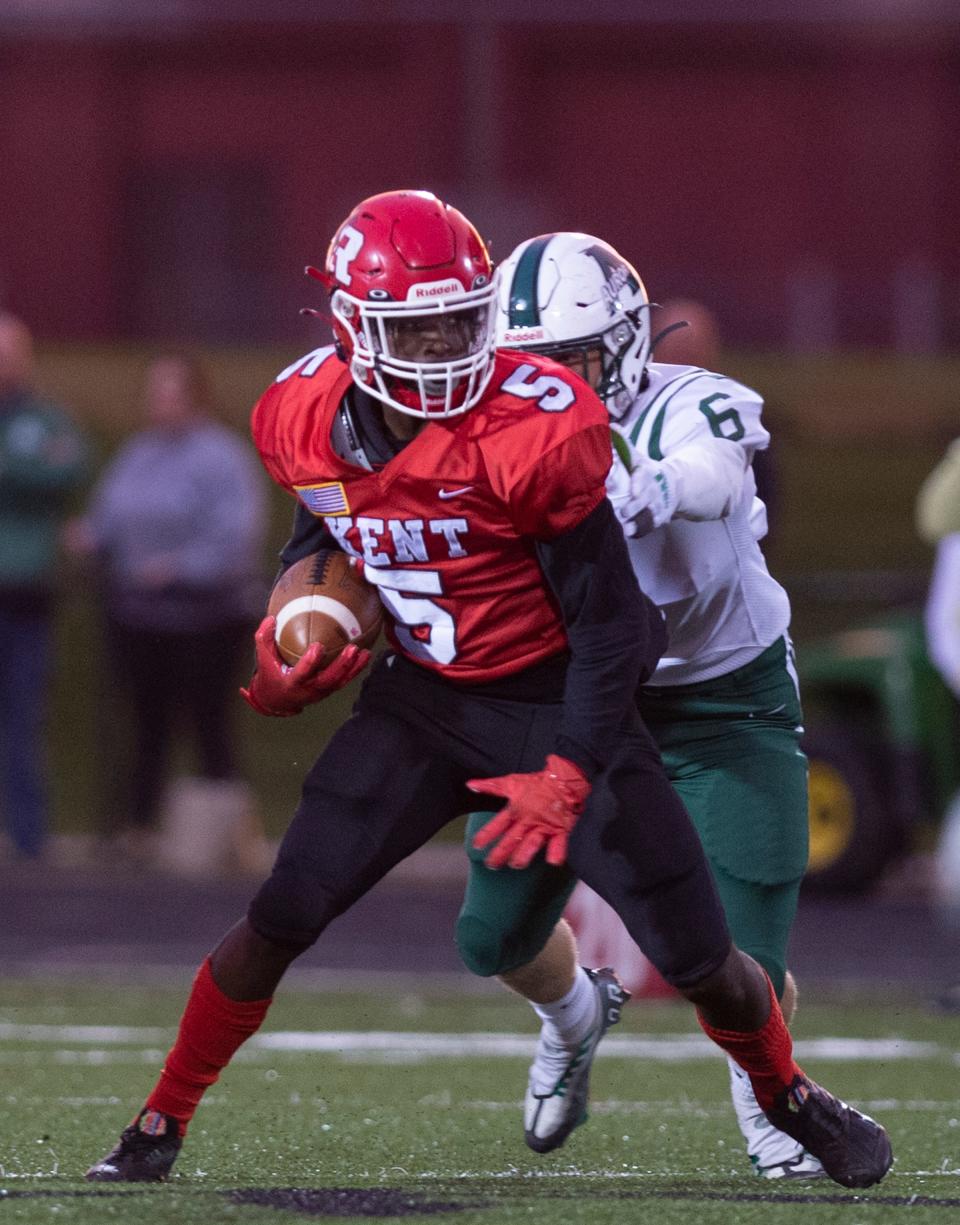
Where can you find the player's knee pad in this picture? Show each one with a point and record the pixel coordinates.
(292, 908)
(507, 916)
(487, 950)
(481, 946)
(760, 916)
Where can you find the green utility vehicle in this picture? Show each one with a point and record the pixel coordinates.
(883, 741)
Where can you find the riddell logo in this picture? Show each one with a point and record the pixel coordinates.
(434, 289)
(524, 337)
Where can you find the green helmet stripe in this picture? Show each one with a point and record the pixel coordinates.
(524, 312)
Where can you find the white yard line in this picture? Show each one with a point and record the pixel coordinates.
(405, 1045)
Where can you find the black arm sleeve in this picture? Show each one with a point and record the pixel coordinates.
(616, 634)
(309, 535)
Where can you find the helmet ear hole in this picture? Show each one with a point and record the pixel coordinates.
(341, 303)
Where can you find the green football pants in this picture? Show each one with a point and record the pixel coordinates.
(731, 747)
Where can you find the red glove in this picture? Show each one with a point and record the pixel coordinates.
(278, 689)
(542, 809)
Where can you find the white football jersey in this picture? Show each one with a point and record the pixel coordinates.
(722, 606)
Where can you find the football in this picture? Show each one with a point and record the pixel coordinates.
(324, 598)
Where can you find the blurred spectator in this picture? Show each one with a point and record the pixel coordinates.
(177, 524)
(698, 344)
(42, 462)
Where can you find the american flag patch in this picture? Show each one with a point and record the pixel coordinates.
(327, 498)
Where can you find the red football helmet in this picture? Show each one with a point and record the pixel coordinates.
(413, 296)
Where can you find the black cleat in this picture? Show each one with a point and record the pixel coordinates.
(556, 1099)
(146, 1151)
(853, 1149)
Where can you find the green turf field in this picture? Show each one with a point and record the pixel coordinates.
(410, 1107)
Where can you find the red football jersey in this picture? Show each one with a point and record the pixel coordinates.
(446, 528)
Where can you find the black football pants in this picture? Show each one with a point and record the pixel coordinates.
(395, 773)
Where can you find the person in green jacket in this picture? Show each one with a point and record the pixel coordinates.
(43, 458)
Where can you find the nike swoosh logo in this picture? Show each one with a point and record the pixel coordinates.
(453, 493)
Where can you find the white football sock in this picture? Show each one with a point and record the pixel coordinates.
(573, 1015)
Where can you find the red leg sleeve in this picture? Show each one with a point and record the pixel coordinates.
(766, 1055)
(212, 1028)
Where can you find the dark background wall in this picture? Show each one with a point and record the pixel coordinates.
(170, 175)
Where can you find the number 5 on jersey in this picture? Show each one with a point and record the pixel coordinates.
(551, 393)
(426, 630)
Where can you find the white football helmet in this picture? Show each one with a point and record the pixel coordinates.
(567, 294)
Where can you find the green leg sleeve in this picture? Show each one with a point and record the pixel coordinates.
(507, 915)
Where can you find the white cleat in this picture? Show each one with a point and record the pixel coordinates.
(559, 1085)
(773, 1153)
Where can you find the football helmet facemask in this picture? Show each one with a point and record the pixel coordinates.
(413, 295)
(574, 298)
